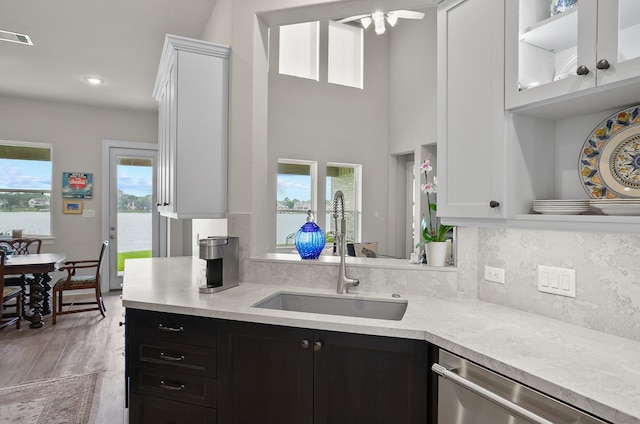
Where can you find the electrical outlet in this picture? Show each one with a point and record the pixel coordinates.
(561, 281)
(495, 275)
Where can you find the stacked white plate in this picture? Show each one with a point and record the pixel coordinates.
(561, 207)
(616, 206)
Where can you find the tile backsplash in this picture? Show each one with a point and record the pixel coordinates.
(607, 274)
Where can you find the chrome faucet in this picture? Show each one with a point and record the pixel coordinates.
(344, 282)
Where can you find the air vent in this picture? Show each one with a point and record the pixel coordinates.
(15, 37)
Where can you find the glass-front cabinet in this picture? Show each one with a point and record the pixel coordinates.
(558, 47)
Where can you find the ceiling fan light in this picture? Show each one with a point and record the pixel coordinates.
(392, 19)
(366, 22)
(378, 20)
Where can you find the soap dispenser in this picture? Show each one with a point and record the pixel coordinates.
(310, 239)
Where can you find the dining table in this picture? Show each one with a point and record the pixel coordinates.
(38, 266)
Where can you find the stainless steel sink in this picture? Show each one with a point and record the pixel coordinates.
(335, 305)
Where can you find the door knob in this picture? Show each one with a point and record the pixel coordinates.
(603, 64)
(582, 70)
(494, 204)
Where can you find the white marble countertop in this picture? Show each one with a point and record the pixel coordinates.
(594, 371)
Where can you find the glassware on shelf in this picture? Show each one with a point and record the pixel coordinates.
(559, 6)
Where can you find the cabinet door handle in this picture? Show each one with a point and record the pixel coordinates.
(582, 70)
(173, 387)
(171, 358)
(317, 345)
(494, 204)
(304, 344)
(161, 327)
(603, 64)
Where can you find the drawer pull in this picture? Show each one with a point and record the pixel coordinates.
(171, 386)
(170, 329)
(171, 358)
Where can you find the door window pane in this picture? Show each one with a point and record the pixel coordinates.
(135, 188)
(548, 42)
(25, 188)
(628, 29)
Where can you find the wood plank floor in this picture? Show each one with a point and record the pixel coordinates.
(77, 344)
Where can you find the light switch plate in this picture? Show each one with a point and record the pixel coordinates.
(560, 281)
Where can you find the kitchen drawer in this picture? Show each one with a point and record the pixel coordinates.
(172, 327)
(175, 356)
(174, 385)
(151, 410)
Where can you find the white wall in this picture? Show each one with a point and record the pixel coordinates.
(412, 62)
(318, 121)
(76, 133)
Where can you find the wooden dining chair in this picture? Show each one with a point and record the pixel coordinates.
(79, 282)
(21, 246)
(9, 293)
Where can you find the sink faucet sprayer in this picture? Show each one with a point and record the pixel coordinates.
(344, 282)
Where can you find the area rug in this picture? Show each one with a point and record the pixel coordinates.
(64, 400)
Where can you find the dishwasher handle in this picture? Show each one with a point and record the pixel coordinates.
(487, 394)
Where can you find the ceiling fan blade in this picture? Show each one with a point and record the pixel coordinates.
(351, 18)
(407, 14)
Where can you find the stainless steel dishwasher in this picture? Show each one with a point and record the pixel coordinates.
(470, 394)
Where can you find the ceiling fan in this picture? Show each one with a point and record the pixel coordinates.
(378, 19)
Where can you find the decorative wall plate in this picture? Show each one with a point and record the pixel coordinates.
(609, 163)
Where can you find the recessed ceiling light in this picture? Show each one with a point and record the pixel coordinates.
(94, 80)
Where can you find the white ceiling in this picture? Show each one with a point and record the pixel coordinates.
(119, 41)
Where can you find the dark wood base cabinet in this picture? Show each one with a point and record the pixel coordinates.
(171, 368)
(185, 369)
(152, 410)
(280, 375)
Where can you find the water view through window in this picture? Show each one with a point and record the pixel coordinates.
(135, 188)
(25, 188)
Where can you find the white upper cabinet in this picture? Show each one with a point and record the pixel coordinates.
(192, 93)
(470, 107)
(588, 45)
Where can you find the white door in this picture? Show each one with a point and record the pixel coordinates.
(130, 221)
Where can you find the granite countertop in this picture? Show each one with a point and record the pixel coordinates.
(594, 371)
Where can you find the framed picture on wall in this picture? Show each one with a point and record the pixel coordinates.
(77, 185)
(72, 206)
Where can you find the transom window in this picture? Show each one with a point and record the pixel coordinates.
(299, 52)
(25, 188)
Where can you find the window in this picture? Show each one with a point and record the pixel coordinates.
(346, 178)
(345, 55)
(296, 182)
(297, 192)
(299, 50)
(25, 188)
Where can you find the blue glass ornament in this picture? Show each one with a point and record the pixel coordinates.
(310, 239)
